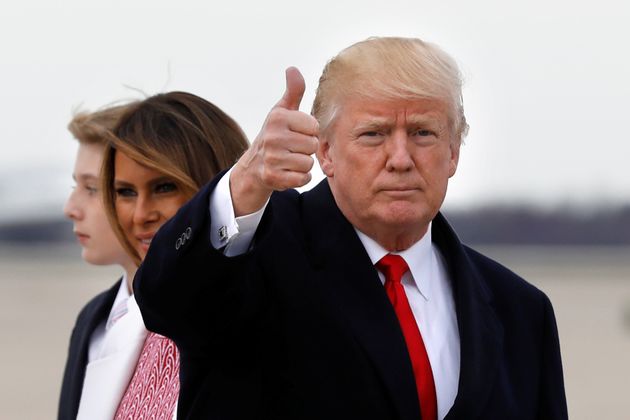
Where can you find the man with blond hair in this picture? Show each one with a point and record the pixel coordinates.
(95, 377)
(354, 300)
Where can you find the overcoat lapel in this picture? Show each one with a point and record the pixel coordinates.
(480, 331)
(348, 280)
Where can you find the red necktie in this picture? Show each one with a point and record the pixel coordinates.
(393, 267)
(154, 386)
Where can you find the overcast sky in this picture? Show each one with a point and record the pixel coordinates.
(546, 93)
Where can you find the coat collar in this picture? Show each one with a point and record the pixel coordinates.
(97, 311)
(480, 331)
(350, 281)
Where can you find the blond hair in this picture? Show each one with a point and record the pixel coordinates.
(95, 127)
(391, 68)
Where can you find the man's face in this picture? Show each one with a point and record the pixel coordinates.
(85, 208)
(388, 164)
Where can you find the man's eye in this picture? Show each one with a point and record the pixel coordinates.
(370, 133)
(424, 133)
(166, 187)
(371, 138)
(125, 192)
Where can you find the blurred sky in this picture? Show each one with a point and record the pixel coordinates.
(546, 93)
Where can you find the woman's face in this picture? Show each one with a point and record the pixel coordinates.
(145, 199)
(85, 208)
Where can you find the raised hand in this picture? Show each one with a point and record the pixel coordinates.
(280, 156)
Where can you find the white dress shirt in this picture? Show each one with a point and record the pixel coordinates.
(430, 296)
(99, 333)
(426, 284)
(233, 233)
(112, 356)
(113, 353)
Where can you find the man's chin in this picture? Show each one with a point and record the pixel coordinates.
(397, 234)
(404, 213)
(403, 221)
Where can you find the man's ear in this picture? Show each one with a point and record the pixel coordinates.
(455, 145)
(325, 156)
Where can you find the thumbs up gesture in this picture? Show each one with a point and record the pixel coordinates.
(280, 156)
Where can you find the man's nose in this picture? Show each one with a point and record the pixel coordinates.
(398, 156)
(146, 211)
(72, 209)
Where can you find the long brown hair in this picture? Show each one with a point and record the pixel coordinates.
(178, 134)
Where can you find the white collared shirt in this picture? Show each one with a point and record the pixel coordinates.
(426, 284)
(112, 357)
(430, 296)
(98, 335)
(113, 353)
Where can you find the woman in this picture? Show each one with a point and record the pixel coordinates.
(161, 152)
(177, 138)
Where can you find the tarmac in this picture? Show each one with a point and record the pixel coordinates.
(43, 288)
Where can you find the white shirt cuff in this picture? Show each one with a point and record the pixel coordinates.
(233, 233)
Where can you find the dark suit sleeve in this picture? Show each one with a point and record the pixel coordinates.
(553, 404)
(92, 314)
(189, 291)
(67, 409)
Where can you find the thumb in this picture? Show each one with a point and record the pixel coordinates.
(294, 90)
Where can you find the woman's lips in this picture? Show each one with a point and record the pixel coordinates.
(144, 240)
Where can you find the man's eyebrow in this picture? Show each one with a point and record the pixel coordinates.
(85, 177)
(423, 119)
(374, 122)
(414, 119)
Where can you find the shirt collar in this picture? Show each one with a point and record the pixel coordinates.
(120, 303)
(420, 258)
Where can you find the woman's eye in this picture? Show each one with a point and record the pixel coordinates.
(125, 192)
(166, 187)
(91, 190)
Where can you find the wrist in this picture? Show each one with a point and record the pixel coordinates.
(247, 192)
